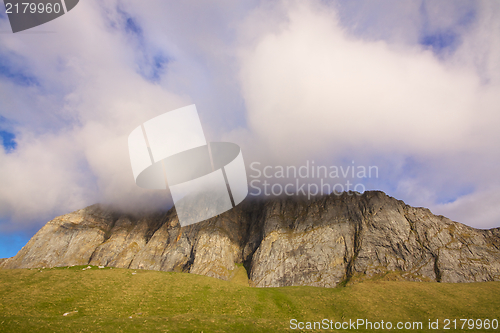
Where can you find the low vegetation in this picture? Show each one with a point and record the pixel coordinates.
(75, 299)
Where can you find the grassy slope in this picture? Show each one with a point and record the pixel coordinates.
(35, 300)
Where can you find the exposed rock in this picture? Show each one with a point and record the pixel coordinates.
(282, 242)
(66, 240)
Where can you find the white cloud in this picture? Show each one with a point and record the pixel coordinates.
(312, 88)
(480, 209)
(288, 81)
(72, 128)
(311, 85)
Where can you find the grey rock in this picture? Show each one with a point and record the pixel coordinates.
(322, 242)
(66, 240)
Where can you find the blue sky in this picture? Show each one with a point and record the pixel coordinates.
(8, 140)
(11, 243)
(412, 88)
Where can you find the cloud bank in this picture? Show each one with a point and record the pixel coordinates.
(413, 89)
(426, 113)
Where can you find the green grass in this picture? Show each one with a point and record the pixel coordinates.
(103, 300)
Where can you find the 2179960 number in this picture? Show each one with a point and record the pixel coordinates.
(470, 324)
(31, 7)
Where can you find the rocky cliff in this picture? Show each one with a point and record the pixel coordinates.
(282, 242)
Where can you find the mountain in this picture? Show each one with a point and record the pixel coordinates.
(323, 242)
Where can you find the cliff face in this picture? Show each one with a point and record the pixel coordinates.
(281, 242)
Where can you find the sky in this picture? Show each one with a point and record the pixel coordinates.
(412, 88)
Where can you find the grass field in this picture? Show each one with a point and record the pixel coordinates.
(117, 300)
